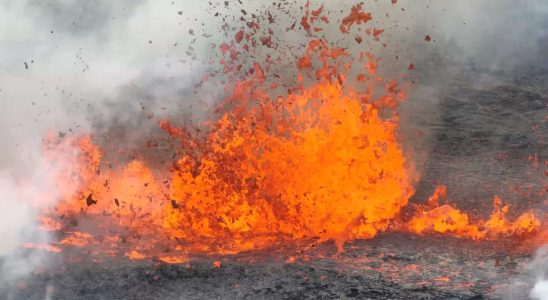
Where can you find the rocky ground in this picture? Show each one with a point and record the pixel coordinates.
(490, 139)
(489, 135)
(393, 266)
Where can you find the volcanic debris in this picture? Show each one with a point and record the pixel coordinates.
(90, 201)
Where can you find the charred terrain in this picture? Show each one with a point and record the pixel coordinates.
(490, 125)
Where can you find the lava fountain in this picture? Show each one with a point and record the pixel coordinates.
(273, 165)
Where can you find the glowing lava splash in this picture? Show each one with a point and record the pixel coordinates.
(319, 160)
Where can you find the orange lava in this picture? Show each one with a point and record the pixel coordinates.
(79, 239)
(446, 219)
(135, 255)
(321, 161)
(44, 247)
(173, 259)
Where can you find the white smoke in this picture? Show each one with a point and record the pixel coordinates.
(540, 290)
(539, 267)
(63, 64)
(24, 193)
(12, 225)
(17, 226)
(532, 279)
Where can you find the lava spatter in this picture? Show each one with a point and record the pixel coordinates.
(321, 159)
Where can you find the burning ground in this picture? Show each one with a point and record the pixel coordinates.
(301, 179)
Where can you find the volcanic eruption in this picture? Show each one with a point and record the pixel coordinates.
(303, 157)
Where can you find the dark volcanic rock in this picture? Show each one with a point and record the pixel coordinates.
(488, 133)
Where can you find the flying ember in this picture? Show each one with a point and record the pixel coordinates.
(273, 165)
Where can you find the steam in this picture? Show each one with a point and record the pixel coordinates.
(540, 290)
(14, 223)
(490, 34)
(24, 192)
(532, 280)
(540, 271)
(14, 226)
(68, 68)
(17, 226)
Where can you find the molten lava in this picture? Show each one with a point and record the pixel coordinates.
(446, 219)
(321, 161)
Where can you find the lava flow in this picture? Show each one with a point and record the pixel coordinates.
(320, 160)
